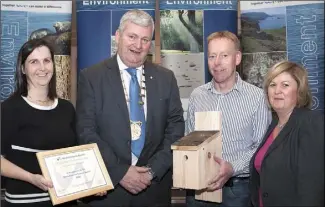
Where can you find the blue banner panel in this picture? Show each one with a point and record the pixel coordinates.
(305, 45)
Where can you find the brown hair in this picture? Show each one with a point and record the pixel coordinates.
(21, 80)
(227, 35)
(304, 98)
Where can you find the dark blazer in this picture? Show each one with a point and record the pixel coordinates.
(103, 118)
(292, 172)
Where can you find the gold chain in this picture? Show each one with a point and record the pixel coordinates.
(41, 102)
(142, 87)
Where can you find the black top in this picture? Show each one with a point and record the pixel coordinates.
(27, 128)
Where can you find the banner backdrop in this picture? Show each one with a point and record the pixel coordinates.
(24, 20)
(97, 22)
(184, 28)
(284, 30)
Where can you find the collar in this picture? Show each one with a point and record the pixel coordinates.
(238, 85)
(122, 66)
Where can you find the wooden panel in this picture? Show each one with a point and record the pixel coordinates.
(210, 121)
(185, 171)
(73, 56)
(208, 167)
(157, 56)
(74, 24)
(211, 169)
(73, 88)
(207, 121)
(194, 168)
(238, 19)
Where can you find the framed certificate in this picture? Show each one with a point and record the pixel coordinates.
(76, 172)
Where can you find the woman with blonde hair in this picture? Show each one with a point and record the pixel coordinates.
(288, 167)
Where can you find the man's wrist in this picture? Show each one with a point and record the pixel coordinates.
(151, 172)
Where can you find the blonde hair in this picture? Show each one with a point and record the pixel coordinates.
(226, 35)
(304, 98)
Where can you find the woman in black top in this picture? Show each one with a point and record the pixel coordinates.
(33, 120)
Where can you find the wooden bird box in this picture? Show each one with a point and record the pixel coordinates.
(193, 163)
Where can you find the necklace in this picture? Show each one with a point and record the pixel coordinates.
(287, 115)
(142, 87)
(41, 102)
(280, 126)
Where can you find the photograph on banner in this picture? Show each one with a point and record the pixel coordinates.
(272, 31)
(182, 47)
(96, 27)
(25, 20)
(184, 28)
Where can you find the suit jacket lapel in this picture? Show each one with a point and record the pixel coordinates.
(283, 133)
(151, 90)
(115, 84)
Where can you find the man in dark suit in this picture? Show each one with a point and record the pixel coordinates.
(131, 108)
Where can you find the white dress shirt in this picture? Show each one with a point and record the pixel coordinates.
(126, 78)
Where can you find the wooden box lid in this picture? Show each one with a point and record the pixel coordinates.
(194, 140)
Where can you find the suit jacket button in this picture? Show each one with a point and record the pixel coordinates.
(265, 195)
(129, 142)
